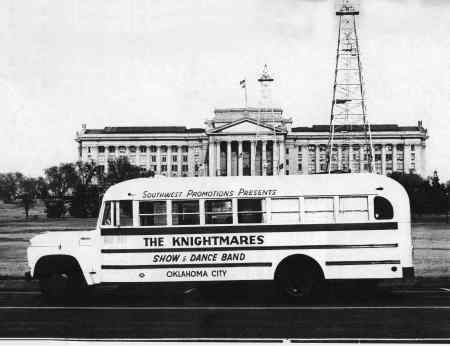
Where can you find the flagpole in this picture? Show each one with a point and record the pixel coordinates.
(243, 84)
(245, 92)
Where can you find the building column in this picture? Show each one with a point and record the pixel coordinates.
(180, 161)
(158, 159)
(394, 157)
(361, 158)
(264, 158)
(169, 160)
(282, 158)
(275, 158)
(317, 158)
(218, 165)
(339, 157)
(406, 158)
(211, 166)
(305, 159)
(240, 159)
(229, 158)
(252, 158)
(148, 157)
(383, 159)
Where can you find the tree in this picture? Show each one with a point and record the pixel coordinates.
(28, 194)
(121, 169)
(61, 179)
(9, 185)
(425, 195)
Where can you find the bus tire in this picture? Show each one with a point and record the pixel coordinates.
(62, 282)
(299, 278)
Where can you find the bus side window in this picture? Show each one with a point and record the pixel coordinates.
(106, 220)
(285, 210)
(126, 213)
(153, 213)
(382, 208)
(250, 211)
(353, 209)
(218, 211)
(185, 213)
(319, 209)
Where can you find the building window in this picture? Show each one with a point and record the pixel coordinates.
(133, 159)
(184, 148)
(185, 158)
(143, 149)
(142, 158)
(218, 212)
(153, 149)
(413, 147)
(153, 158)
(152, 213)
(132, 149)
(111, 149)
(164, 149)
(101, 149)
(163, 168)
(174, 158)
(184, 168)
(185, 213)
(122, 149)
(299, 159)
(89, 149)
(312, 159)
(287, 150)
(388, 157)
(153, 168)
(287, 162)
(174, 148)
(164, 158)
(174, 168)
(413, 156)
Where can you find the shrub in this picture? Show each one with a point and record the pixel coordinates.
(55, 208)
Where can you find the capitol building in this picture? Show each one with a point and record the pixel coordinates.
(251, 141)
(254, 141)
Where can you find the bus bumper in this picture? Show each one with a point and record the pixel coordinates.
(408, 272)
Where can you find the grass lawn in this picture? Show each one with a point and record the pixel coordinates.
(431, 240)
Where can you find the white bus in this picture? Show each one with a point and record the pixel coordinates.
(297, 230)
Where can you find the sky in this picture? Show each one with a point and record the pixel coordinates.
(64, 63)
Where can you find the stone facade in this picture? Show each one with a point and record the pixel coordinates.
(253, 141)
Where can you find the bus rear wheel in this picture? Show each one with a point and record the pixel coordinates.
(299, 279)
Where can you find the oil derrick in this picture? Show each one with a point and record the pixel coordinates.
(350, 146)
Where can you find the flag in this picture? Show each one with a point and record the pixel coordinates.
(242, 83)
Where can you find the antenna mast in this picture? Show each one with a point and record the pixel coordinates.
(348, 118)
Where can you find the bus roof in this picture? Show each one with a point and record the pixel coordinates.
(160, 187)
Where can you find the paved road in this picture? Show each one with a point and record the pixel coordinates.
(243, 312)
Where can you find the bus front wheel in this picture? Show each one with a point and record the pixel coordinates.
(62, 286)
(299, 278)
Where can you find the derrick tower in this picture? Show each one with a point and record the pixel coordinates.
(350, 136)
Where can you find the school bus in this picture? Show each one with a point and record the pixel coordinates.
(297, 230)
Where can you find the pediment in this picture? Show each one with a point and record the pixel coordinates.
(245, 126)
